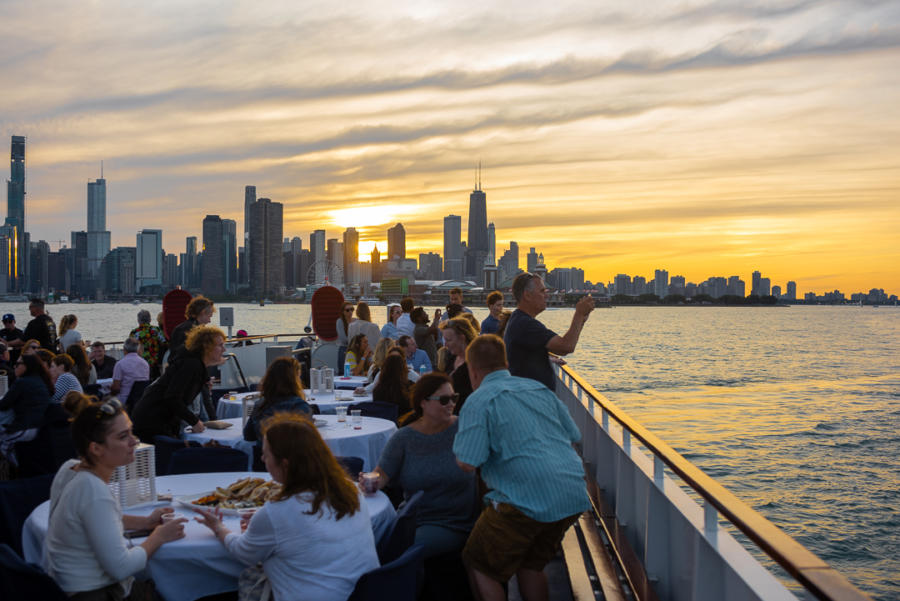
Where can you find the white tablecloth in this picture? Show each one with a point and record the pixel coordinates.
(350, 382)
(341, 438)
(227, 408)
(198, 564)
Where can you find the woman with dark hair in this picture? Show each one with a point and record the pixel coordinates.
(165, 402)
(64, 380)
(390, 330)
(458, 333)
(25, 403)
(364, 325)
(359, 355)
(199, 312)
(425, 335)
(393, 383)
(83, 369)
(420, 456)
(316, 535)
(343, 329)
(282, 392)
(85, 550)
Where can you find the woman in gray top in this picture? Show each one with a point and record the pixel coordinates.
(420, 457)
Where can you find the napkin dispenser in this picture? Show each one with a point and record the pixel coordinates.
(135, 483)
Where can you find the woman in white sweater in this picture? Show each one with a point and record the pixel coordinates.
(86, 552)
(315, 539)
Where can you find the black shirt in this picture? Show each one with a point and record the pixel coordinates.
(9, 336)
(43, 329)
(105, 371)
(526, 348)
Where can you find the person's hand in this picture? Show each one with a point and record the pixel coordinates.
(359, 390)
(584, 306)
(212, 520)
(198, 427)
(155, 518)
(437, 314)
(557, 360)
(171, 530)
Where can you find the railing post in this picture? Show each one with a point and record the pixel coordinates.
(626, 441)
(710, 521)
(604, 420)
(658, 474)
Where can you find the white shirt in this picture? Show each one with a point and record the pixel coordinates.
(360, 326)
(85, 548)
(307, 557)
(405, 325)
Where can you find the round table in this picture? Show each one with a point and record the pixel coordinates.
(197, 565)
(343, 440)
(326, 401)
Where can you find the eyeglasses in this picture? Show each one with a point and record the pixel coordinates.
(348, 310)
(445, 398)
(110, 407)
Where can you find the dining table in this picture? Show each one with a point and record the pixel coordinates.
(231, 404)
(365, 442)
(198, 564)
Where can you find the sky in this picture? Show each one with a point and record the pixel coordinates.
(705, 138)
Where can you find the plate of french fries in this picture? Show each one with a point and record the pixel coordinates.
(245, 493)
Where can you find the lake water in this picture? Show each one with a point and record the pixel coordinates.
(795, 410)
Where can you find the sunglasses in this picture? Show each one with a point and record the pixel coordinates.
(445, 398)
(348, 310)
(110, 407)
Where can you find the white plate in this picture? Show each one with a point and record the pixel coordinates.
(186, 501)
(321, 423)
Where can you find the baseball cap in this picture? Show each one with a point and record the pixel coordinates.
(242, 333)
(9, 317)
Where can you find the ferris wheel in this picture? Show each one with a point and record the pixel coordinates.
(325, 272)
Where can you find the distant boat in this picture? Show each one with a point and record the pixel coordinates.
(63, 299)
(265, 302)
(135, 302)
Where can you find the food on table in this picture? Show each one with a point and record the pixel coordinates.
(246, 492)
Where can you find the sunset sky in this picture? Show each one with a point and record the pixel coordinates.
(706, 138)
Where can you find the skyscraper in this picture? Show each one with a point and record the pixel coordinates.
(453, 259)
(16, 267)
(229, 233)
(492, 244)
(661, 283)
(189, 263)
(266, 257)
(212, 268)
(396, 237)
(754, 283)
(791, 290)
(477, 245)
(531, 260)
(351, 256)
(249, 199)
(98, 238)
(335, 254)
(317, 256)
(148, 269)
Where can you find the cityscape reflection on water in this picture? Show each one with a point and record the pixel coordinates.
(796, 410)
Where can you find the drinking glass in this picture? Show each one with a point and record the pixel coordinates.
(356, 418)
(341, 411)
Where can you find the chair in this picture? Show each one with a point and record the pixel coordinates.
(352, 465)
(165, 446)
(18, 498)
(21, 580)
(203, 460)
(388, 411)
(134, 395)
(50, 448)
(394, 581)
(402, 533)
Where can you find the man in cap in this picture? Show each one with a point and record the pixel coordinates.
(13, 336)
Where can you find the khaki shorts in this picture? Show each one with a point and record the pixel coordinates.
(505, 540)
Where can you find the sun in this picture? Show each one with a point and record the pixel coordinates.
(364, 216)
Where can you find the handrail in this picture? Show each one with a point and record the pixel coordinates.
(813, 573)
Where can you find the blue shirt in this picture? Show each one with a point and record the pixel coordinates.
(490, 325)
(419, 359)
(520, 435)
(389, 330)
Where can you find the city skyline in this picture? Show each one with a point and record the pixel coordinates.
(711, 139)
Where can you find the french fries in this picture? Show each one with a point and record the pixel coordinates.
(246, 492)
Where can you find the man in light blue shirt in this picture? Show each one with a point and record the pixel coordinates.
(520, 435)
(416, 358)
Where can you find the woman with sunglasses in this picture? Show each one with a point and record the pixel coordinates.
(86, 552)
(24, 404)
(420, 457)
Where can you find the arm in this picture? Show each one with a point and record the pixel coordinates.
(565, 344)
(181, 390)
(257, 544)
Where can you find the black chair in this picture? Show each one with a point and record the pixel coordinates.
(21, 580)
(50, 448)
(315, 409)
(402, 533)
(352, 465)
(203, 460)
(18, 498)
(445, 579)
(394, 581)
(164, 447)
(388, 411)
(134, 395)
(93, 390)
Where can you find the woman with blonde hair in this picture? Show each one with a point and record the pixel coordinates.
(458, 333)
(68, 335)
(165, 402)
(315, 536)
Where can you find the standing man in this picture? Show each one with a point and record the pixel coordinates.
(416, 358)
(520, 435)
(42, 327)
(13, 336)
(103, 364)
(528, 341)
(495, 305)
(404, 323)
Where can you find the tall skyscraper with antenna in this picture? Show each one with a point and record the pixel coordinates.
(98, 237)
(477, 246)
(16, 251)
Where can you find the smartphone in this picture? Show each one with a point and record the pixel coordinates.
(137, 533)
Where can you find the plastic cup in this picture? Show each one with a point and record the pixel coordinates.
(232, 394)
(341, 411)
(370, 483)
(246, 514)
(356, 419)
(168, 517)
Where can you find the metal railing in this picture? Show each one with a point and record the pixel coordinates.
(814, 574)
